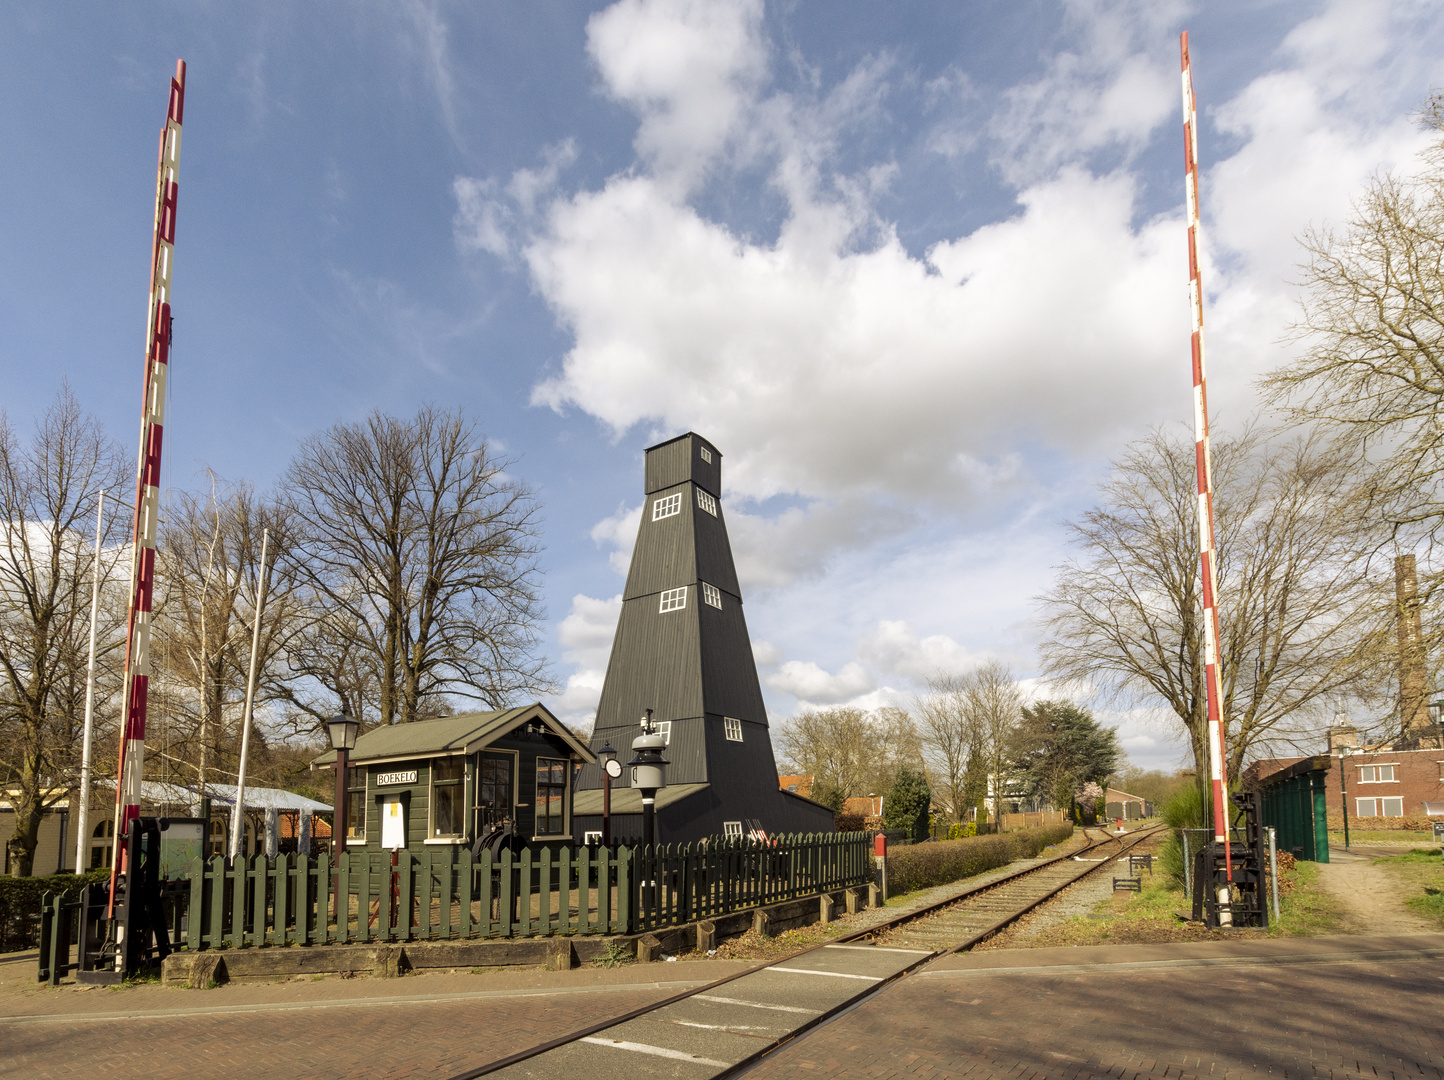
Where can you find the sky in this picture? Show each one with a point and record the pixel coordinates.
(918, 271)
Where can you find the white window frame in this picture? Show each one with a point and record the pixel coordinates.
(1359, 810)
(591, 836)
(664, 729)
(674, 600)
(706, 502)
(732, 830)
(667, 506)
(705, 453)
(732, 728)
(1384, 805)
(712, 595)
(432, 836)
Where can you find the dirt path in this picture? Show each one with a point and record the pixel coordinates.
(1370, 897)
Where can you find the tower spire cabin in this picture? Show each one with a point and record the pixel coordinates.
(682, 650)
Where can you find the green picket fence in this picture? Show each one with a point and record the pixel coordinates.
(683, 883)
(440, 895)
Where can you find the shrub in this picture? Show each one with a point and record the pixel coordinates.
(921, 867)
(20, 899)
(849, 822)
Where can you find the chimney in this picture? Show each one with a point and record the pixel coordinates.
(1413, 683)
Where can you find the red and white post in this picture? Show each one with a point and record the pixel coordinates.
(147, 495)
(1213, 683)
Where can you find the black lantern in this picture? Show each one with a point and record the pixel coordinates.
(343, 728)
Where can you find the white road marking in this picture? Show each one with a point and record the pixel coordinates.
(719, 1027)
(759, 1005)
(656, 1051)
(833, 974)
(877, 948)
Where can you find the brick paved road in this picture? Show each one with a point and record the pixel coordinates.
(1083, 1013)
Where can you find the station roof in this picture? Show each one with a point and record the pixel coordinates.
(464, 733)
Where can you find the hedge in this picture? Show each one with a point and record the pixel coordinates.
(20, 905)
(921, 866)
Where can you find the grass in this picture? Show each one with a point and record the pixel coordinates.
(1304, 908)
(1380, 836)
(1420, 874)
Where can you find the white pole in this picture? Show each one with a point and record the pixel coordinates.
(250, 699)
(1274, 869)
(82, 826)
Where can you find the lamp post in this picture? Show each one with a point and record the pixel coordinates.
(648, 775)
(343, 728)
(611, 769)
(1344, 752)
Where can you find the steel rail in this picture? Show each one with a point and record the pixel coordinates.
(865, 932)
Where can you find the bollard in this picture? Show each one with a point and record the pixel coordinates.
(1274, 870)
(825, 906)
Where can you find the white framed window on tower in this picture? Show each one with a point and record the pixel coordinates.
(667, 506)
(674, 599)
(706, 454)
(706, 502)
(664, 729)
(711, 595)
(733, 728)
(732, 829)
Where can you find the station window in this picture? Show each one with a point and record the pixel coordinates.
(706, 454)
(447, 812)
(733, 728)
(1376, 774)
(356, 807)
(1392, 807)
(674, 599)
(592, 836)
(551, 788)
(1366, 807)
(706, 502)
(711, 595)
(732, 829)
(102, 840)
(666, 507)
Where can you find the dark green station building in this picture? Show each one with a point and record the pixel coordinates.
(456, 780)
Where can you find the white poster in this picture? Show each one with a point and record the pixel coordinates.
(393, 823)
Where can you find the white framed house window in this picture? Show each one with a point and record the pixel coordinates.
(666, 507)
(1391, 807)
(733, 728)
(706, 502)
(711, 595)
(674, 599)
(1366, 807)
(732, 830)
(592, 836)
(706, 454)
(1376, 774)
(664, 729)
(448, 815)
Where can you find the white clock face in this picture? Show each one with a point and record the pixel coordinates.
(614, 768)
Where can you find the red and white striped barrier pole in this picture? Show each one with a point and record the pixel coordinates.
(147, 495)
(1206, 552)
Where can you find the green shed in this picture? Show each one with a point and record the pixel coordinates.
(1295, 804)
(455, 780)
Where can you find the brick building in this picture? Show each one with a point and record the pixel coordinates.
(1384, 782)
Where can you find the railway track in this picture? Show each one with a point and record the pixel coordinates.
(724, 1027)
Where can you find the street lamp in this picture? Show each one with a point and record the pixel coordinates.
(343, 728)
(611, 769)
(1344, 752)
(648, 773)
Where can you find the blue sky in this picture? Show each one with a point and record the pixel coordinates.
(918, 270)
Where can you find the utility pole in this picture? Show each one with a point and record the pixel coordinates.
(240, 807)
(82, 825)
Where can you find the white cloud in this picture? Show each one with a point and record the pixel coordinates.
(765, 654)
(895, 648)
(585, 636)
(690, 68)
(808, 682)
(619, 532)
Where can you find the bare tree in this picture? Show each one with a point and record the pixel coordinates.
(209, 556)
(836, 746)
(993, 708)
(948, 741)
(1300, 616)
(421, 551)
(48, 492)
(1372, 374)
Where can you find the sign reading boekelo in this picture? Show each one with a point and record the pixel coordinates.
(382, 779)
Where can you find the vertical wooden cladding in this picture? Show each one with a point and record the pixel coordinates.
(729, 672)
(714, 551)
(678, 460)
(655, 664)
(664, 556)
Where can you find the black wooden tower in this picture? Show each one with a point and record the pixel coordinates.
(682, 650)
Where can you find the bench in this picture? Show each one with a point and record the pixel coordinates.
(1128, 884)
